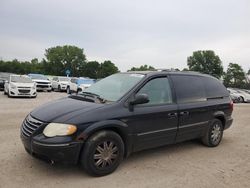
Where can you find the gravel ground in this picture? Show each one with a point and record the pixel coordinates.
(187, 164)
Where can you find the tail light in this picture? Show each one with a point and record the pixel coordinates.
(231, 105)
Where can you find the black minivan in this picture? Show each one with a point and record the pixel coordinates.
(125, 113)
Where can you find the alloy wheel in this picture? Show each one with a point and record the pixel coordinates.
(105, 154)
(216, 133)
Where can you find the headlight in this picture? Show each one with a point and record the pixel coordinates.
(59, 129)
(12, 86)
(34, 86)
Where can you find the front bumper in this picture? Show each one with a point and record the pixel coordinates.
(43, 87)
(66, 153)
(63, 87)
(27, 92)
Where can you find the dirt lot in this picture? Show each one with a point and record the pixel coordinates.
(188, 164)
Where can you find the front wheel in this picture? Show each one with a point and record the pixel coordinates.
(214, 134)
(102, 153)
(68, 90)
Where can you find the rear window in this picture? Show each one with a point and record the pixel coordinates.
(214, 88)
(189, 88)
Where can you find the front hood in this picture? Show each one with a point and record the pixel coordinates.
(63, 110)
(23, 84)
(44, 81)
(64, 82)
(85, 85)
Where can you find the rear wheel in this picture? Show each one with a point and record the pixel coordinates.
(242, 99)
(102, 153)
(214, 134)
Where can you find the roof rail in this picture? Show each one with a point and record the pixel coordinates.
(167, 70)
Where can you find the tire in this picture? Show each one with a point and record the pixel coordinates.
(68, 90)
(4, 92)
(78, 91)
(97, 163)
(242, 100)
(8, 95)
(214, 134)
(59, 88)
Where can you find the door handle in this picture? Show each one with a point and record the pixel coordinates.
(184, 113)
(172, 115)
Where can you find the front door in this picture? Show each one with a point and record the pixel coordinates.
(155, 123)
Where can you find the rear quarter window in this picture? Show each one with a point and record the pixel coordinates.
(214, 88)
(189, 88)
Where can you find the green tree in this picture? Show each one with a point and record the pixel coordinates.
(142, 68)
(107, 68)
(185, 69)
(205, 62)
(61, 58)
(91, 69)
(248, 72)
(235, 76)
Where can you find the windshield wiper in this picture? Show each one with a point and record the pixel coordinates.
(89, 93)
(95, 96)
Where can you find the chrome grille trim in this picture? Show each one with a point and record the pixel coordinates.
(30, 125)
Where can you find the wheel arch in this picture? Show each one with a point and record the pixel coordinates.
(116, 126)
(220, 116)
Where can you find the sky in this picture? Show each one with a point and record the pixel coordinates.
(130, 33)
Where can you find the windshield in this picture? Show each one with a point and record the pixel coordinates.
(21, 79)
(38, 76)
(85, 81)
(115, 86)
(64, 79)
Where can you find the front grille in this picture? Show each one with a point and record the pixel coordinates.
(23, 87)
(42, 86)
(23, 91)
(44, 83)
(30, 125)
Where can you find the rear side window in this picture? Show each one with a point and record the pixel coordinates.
(189, 88)
(158, 91)
(214, 88)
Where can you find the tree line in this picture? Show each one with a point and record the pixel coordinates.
(61, 58)
(209, 63)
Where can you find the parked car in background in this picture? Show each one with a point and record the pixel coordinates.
(60, 83)
(77, 85)
(42, 82)
(126, 113)
(247, 91)
(235, 98)
(244, 96)
(2, 81)
(20, 85)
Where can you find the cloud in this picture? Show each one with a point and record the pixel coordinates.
(161, 33)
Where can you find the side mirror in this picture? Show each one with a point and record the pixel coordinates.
(139, 99)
